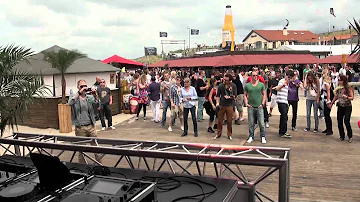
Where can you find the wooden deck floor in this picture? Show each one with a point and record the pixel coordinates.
(322, 168)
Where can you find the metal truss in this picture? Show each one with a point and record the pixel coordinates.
(210, 160)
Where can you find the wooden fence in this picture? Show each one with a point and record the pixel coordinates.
(44, 113)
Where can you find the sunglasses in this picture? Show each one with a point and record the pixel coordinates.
(254, 75)
(83, 86)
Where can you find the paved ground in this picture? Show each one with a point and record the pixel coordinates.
(322, 168)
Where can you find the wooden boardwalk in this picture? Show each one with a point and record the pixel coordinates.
(322, 168)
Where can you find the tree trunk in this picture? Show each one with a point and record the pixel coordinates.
(63, 89)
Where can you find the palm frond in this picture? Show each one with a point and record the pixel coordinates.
(356, 50)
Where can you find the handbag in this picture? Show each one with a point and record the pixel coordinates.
(312, 92)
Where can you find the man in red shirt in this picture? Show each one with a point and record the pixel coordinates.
(261, 79)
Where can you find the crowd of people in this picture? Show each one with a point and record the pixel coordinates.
(227, 92)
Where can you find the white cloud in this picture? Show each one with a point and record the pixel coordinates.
(104, 28)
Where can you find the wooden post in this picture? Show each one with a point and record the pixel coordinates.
(64, 112)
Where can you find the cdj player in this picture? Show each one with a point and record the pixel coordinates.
(107, 189)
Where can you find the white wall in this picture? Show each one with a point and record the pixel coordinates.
(71, 81)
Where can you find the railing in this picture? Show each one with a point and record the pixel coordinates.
(220, 161)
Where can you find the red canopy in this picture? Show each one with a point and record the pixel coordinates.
(236, 60)
(337, 59)
(121, 60)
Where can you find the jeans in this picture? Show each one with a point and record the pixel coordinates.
(294, 106)
(328, 121)
(309, 104)
(201, 101)
(283, 109)
(343, 116)
(228, 110)
(105, 110)
(321, 107)
(155, 107)
(166, 105)
(193, 117)
(143, 106)
(253, 114)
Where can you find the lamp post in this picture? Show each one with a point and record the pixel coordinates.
(189, 37)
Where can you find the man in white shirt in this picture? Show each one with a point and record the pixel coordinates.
(342, 71)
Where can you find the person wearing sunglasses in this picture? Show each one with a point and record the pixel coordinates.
(105, 103)
(255, 100)
(83, 115)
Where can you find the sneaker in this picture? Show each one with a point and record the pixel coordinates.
(196, 134)
(341, 139)
(103, 128)
(325, 131)
(294, 129)
(306, 129)
(329, 133)
(269, 115)
(170, 129)
(250, 140)
(144, 117)
(267, 125)
(241, 119)
(230, 138)
(210, 130)
(322, 118)
(137, 118)
(263, 140)
(216, 137)
(112, 127)
(315, 131)
(286, 135)
(350, 140)
(237, 122)
(182, 128)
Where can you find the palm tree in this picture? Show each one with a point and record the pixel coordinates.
(61, 61)
(356, 50)
(17, 87)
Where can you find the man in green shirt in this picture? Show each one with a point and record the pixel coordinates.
(255, 100)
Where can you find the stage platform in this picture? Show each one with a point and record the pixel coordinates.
(226, 190)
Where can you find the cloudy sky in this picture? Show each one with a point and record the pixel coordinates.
(102, 28)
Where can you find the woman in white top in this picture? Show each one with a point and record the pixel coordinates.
(188, 98)
(327, 92)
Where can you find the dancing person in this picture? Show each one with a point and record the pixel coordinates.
(293, 100)
(201, 87)
(282, 100)
(225, 97)
(83, 115)
(154, 96)
(165, 90)
(255, 100)
(344, 94)
(143, 98)
(328, 94)
(273, 83)
(175, 100)
(305, 72)
(210, 103)
(312, 86)
(239, 97)
(189, 96)
(105, 103)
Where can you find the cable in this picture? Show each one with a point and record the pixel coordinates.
(163, 184)
(196, 182)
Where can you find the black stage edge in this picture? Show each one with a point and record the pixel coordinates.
(226, 189)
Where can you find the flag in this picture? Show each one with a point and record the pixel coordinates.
(332, 12)
(163, 34)
(194, 32)
(150, 51)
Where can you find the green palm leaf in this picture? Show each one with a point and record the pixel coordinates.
(61, 61)
(18, 88)
(356, 50)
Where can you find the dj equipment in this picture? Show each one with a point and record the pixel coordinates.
(108, 189)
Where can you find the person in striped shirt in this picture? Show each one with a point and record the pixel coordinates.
(282, 100)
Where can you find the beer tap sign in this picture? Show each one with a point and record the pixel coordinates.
(228, 31)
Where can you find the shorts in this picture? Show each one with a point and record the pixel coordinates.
(240, 103)
(273, 101)
(177, 112)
